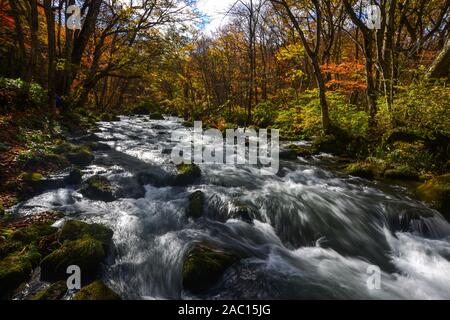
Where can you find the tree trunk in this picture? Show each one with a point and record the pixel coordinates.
(441, 66)
(51, 58)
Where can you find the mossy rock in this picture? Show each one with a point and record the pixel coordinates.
(188, 124)
(45, 162)
(75, 177)
(403, 172)
(437, 193)
(300, 151)
(56, 291)
(32, 233)
(196, 202)
(32, 177)
(364, 170)
(74, 230)
(81, 158)
(204, 266)
(403, 135)
(187, 175)
(98, 188)
(16, 268)
(96, 291)
(87, 253)
(2, 210)
(156, 116)
(98, 146)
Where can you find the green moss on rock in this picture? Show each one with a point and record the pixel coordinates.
(437, 192)
(74, 230)
(187, 174)
(156, 116)
(204, 266)
(32, 177)
(87, 253)
(96, 291)
(362, 169)
(98, 188)
(56, 291)
(16, 268)
(403, 172)
(196, 202)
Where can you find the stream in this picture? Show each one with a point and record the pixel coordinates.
(315, 234)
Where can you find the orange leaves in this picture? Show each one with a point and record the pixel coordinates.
(345, 68)
(348, 76)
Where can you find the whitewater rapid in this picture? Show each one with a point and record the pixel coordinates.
(315, 234)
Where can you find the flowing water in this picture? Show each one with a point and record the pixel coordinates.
(315, 233)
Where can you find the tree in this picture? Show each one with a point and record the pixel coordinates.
(313, 54)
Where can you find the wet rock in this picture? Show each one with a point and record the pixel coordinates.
(437, 192)
(15, 269)
(56, 291)
(98, 146)
(364, 170)
(298, 150)
(188, 124)
(75, 177)
(156, 116)
(74, 230)
(187, 175)
(244, 213)
(46, 162)
(96, 291)
(81, 158)
(98, 188)
(150, 178)
(403, 172)
(130, 188)
(87, 253)
(288, 155)
(203, 267)
(196, 203)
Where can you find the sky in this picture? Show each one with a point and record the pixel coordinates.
(215, 10)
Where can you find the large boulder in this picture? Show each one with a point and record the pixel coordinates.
(156, 116)
(196, 203)
(16, 268)
(96, 291)
(98, 188)
(204, 265)
(437, 192)
(74, 230)
(87, 253)
(401, 172)
(187, 175)
(55, 291)
(364, 170)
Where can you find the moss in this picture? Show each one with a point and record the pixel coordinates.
(32, 233)
(87, 253)
(437, 193)
(361, 169)
(196, 202)
(156, 116)
(55, 292)
(300, 151)
(32, 177)
(73, 230)
(82, 158)
(402, 172)
(96, 291)
(204, 266)
(16, 268)
(187, 174)
(98, 188)
(2, 210)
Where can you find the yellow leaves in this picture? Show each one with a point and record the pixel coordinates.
(291, 52)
